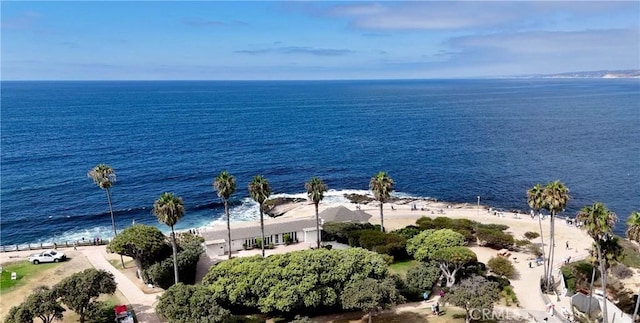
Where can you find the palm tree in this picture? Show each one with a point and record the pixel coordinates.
(381, 185)
(104, 176)
(225, 185)
(633, 226)
(315, 191)
(598, 221)
(535, 199)
(633, 233)
(556, 196)
(260, 191)
(169, 209)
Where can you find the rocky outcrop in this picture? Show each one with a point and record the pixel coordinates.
(280, 205)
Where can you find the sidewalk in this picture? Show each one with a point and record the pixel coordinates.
(143, 304)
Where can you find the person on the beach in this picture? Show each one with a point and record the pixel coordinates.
(567, 244)
(75, 245)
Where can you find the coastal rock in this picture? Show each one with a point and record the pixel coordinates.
(280, 205)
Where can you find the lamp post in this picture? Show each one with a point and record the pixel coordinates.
(478, 209)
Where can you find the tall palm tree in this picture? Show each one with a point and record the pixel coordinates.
(633, 226)
(535, 199)
(260, 191)
(225, 185)
(633, 233)
(556, 196)
(104, 176)
(381, 185)
(599, 222)
(169, 209)
(315, 191)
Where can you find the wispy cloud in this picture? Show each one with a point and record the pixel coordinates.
(458, 15)
(198, 22)
(297, 50)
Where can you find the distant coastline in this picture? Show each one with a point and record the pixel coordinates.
(603, 74)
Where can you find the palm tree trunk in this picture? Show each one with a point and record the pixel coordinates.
(551, 252)
(175, 255)
(370, 315)
(603, 273)
(544, 258)
(226, 212)
(317, 226)
(262, 230)
(113, 222)
(593, 277)
(635, 311)
(381, 218)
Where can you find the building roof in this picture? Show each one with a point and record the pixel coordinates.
(343, 214)
(249, 230)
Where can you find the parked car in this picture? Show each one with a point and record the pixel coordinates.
(47, 256)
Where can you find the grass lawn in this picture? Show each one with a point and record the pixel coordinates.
(401, 267)
(22, 269)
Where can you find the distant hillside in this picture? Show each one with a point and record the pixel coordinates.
(592, 74)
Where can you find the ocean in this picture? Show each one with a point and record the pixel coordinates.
(447, 139)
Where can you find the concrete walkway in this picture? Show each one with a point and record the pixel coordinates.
(143, 304)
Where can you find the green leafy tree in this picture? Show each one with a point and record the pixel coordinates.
(633, 226)
(80, 290)
(475, 295)
(381, 185)
(225, 185)
(501, 266)
(260, 191)
(315, 191)
(104, 176)
(189, 251)
(369, 295)
(452, 259)
(169, 209)
(291, 282)
(18, 314)
(191, 303)
(421, 278)
(42, 304)
(556, 196)
(494, 239)
(598, 221)
(140, 242)
(424, 245)
(535, 199)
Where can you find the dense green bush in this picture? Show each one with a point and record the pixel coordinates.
(492, 226)
(501, 266)
(339, 231)
(293, 282)
(419, 279)
(189, 251)
(531, 235)
(191, 303)
(577, 275)
(502, 281)
(408, 232)
(383, 243)
(494, 239)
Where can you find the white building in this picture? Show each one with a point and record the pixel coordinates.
(302, 230)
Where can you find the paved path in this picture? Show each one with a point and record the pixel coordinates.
(143, 304)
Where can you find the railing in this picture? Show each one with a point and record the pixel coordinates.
(52, 245)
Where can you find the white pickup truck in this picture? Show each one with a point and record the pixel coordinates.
(47, 256)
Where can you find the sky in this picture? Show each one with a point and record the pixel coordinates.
(313, 40)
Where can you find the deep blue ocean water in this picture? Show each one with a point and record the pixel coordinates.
(448, 139)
